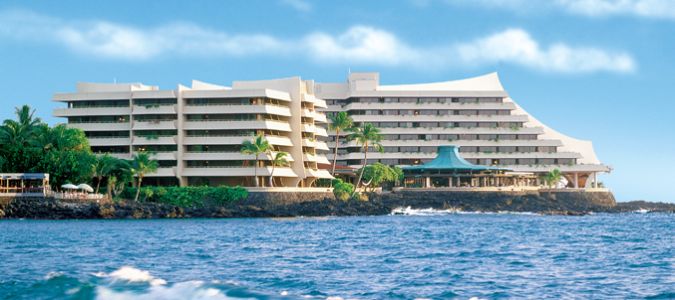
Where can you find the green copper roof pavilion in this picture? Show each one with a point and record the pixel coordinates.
(448, 159)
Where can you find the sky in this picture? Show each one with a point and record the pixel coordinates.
(599, 70)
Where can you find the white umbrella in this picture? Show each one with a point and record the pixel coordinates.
(85, 187)
(69, 186)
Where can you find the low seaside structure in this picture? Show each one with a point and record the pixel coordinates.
(449, 169)
(24, 184)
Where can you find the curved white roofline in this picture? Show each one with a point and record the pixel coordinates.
(487, 82)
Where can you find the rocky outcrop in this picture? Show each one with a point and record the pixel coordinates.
(286, 204)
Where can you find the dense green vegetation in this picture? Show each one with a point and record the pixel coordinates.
(27, 145)
(190, 196)
(342, 190)
(377, 174)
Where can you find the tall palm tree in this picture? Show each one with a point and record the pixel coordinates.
(367, 136)
(279, 159)
(19, 133)
(257, 146)
(339, 122)
(103, 168)
(141, 165)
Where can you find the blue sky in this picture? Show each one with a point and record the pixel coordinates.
(600, 70)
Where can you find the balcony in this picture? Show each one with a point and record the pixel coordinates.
(320, 131)
(109, 141)
(459, 130)
(461, 143)
(436, 118)
(427, 106)
(321, 159)
(101, 126)
(155, 125)
(155, 110)
(308, 143)
(92, 111)
(233, 140)
(236, 171)
(253, 124)
(322, 146)
(320, 173)
(160, 140)
(466, 155)
(279, 110)
(164, 155)
(225, 156)
(163, 172)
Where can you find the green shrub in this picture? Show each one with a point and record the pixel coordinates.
(342, 190)
(189, 196)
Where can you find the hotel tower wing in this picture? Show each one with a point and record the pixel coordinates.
(476, 114)
(196, 132)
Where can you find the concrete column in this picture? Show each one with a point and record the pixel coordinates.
(427, 183)
(576, 180)
(595, 180)
(450, 181)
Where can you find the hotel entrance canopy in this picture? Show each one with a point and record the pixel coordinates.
(449, 161)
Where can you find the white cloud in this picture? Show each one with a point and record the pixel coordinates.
(299, 5)
(362, 45)
(662, 9)
(642, 8)
(517, 46)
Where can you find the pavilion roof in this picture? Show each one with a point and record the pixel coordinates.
(448, 158)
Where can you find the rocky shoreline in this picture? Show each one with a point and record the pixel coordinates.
(279, 204)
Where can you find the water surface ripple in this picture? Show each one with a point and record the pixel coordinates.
(488, 256)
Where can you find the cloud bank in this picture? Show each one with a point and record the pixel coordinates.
(657, 9)
(363, 45)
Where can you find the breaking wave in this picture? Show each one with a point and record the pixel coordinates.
(129, 283)
(408, 211)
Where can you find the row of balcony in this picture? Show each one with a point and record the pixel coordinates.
(461, 143)
(466, 155)
(418, 106)
(172, 110)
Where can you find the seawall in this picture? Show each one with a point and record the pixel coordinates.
(292, 204)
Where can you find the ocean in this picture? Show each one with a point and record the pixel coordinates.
(421, 254)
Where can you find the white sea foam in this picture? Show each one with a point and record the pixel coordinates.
(131, 274)
(52, 275)
(178, 291)
(408, 211)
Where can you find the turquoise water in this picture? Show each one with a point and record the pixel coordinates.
(432, 255)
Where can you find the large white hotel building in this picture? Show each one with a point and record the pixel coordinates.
(196, 132)
(476, 114)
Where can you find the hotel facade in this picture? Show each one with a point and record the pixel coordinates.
(476, 114)
(196, 132)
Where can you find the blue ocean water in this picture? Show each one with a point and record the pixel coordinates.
(426, 255)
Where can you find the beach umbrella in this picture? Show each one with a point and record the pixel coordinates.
(69, 186)
(85, 187)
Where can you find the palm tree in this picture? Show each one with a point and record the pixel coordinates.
(19, 133)
(257, 146)
(141, 165)
(553, 177)
(104, 167)
(367, 136)
(339, 122)
(279, 159)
